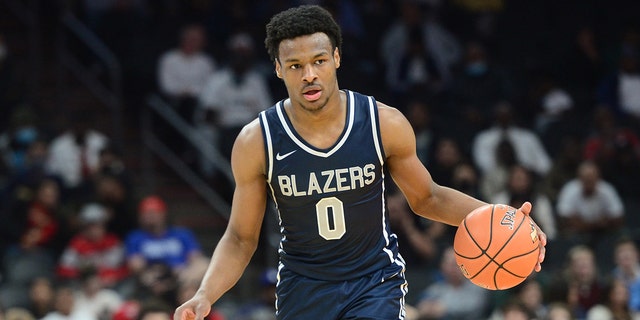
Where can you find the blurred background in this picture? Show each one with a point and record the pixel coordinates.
(118, 118)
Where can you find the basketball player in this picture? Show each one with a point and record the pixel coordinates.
(323, 155)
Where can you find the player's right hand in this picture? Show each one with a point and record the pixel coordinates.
(195, 308)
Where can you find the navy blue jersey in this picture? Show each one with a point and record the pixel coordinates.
(331, 205)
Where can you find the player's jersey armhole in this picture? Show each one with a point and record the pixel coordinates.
(375, 128)
(268, 144)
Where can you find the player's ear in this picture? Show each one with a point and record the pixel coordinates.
(278, 68)
(336, 57)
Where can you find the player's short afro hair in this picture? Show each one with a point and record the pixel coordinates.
(301, 21)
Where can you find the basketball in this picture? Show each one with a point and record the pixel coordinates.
(496, 246)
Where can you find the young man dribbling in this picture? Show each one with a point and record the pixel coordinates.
(322, 154)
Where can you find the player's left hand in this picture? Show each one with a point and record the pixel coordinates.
(526, 209)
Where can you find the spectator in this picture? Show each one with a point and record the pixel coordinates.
(421, 240)
(21, 183)
(564, 167)
(183, 71)
(583, 66)
(615, 304)
(627, 271)
(590, 206)
(521, 187)
(114, 189)
(559, 311)
(447, 156)
(41, 294)
(19, 268)
(36, 223)
(154, 311)
(616, 150)
(94, 247)
(529, 150)
(442, 299)
(15, 143)
(514, 310)
(495, 181)
(465, 178)
(627, 262)
(531, 293)
(74, 157)
(417, 52)
(113, 195)
(619, 91)
(477, 86)
(554, 113)
(234, 95)
(262, 308)
(579, 284)
(102, 302)
(419, 114)
(527, 298)
(157, 242)
(156, 283)
(66, 307)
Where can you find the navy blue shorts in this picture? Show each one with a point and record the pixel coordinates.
(379, 295)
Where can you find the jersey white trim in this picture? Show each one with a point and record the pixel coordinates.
(267, 133)
(374, 128)
(305, 147)
(269, 174)
(376, 143)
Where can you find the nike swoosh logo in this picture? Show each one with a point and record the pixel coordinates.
(280, 157)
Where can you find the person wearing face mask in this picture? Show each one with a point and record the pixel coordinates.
(478, 84)
(22, 132)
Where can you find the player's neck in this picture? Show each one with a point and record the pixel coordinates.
(323, 127)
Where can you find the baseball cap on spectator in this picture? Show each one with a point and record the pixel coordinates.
(93, 213)
(153, 204)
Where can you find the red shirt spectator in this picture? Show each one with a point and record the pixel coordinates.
(94, 247)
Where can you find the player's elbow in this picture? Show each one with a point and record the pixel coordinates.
(424, 203)
(243, 243)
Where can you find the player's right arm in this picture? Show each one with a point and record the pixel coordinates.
(239, 242)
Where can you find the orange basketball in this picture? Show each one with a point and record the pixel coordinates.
(496, 246)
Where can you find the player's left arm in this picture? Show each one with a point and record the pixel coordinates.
(425, 197)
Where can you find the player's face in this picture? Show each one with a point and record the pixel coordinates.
(308, 65)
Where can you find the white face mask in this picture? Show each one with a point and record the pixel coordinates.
(3, 51)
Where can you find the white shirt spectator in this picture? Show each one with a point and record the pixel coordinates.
(103, 304)
(443, 47)
(236, 103)
(182, 74)
(529, 149)
(76, 315)
(65, 156)
(629, 91)
(605, 202)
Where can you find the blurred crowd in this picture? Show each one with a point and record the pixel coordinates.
(510, 101)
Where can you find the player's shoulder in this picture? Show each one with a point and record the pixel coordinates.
(248, 151)
(251, 134)
(390, 116)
